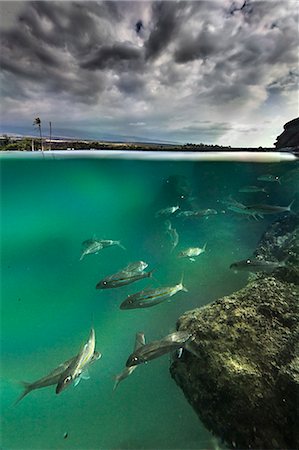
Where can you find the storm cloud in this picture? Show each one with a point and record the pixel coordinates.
(111, 64)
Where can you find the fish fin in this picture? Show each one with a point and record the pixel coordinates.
(77, 381)
(120, 245)
(85, 375)
(139, 340)
(27, 388)
(192, 259)
(181, 282)
(82, 256)
(204, 247)
(180, 352)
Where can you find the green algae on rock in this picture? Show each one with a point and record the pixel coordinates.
(244, 381)
(280, 242)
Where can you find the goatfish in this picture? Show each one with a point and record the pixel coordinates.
(154, 349)
(191, 252)
(52, 378)
(78, 365)
(167, 211)
(269, 178)
(268, 209)
(252, 189)
(139, 342)
(122, 278)
(95, 245)
(151, 297)
(257, 265)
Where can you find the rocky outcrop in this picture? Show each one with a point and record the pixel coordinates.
(241, 373)
(244, 380)
(281, 243)
(290, 136)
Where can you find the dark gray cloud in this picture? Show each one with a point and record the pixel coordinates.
(289, 82)
(205, 44)
(130, 84)
(116, 55)
(165, 24)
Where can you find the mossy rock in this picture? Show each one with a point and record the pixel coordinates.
(242, 377)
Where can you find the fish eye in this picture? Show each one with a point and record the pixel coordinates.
(67, 379)
(248, 261)
(104, 283)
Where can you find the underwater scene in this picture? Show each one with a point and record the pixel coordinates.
(99, 259)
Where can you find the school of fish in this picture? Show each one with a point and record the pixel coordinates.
(76, 368)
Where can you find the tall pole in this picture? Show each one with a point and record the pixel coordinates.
(50, 123)
(41, 138)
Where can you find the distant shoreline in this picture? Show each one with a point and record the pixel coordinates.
(30, 144)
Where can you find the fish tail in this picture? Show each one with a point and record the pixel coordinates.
(290, 206)
(27, 388)
(150, 274)
(284, 261)
(116, 382)
(183, 288)
(120, 245)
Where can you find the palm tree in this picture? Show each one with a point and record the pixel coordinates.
(37, 122)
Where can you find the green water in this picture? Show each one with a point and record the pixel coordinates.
(49, 300)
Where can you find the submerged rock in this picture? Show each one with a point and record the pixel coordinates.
(280, 242)
(244, 380)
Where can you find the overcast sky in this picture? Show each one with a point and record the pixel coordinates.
(220, 72)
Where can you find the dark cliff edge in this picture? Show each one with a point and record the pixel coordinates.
(242, 377)
(290, 136)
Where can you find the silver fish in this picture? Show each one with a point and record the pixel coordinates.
(253, 189)
(78, 365)
(191, 252)
(122, 278)
(139, 342)
(269, 209)
(205, 212)
(160, 347)
(197, 213)
(269, 178)
(173, 235)
(167, 211)
(186, 213)
(151, 297)
(138, 266)
(257, 265)
(95, 245)
(239, 208)
(52, 378)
